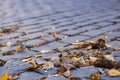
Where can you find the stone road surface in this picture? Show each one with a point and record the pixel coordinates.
(74, 20)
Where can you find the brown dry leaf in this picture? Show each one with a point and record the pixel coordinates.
(34, 68)
(79, 44)
(2, 62)
(21, 48)
(2, 46)
(2, 34)
(6, 30)
(74, 78)
(48, 65)
(105, 63)
(92, 60)
(54, 34)
(117, 49)
(96, 76)
(114, 72)
(14, 27)
(33, 62)
(67, 74)
(5, 77)
(27, 59)
(8, 53)
(98, 44)
(109, 57)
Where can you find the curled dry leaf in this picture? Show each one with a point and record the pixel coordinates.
(54, 34)
(33, 62)
(27, 59)
(96, 76)
(21, 48)
(105, 63)
(14, 27)
(48, 65)
(109, 57)
(2, 34)
(68, 74)
(6, 30)
(82, 60)
(8, 53)
(114, 72)
(2, 62)
(2, 46)
(117, 49)
(9, 30)
(92, 60)
(99, 44)
(34, 68)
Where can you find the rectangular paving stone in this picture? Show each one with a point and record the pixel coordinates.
(17, 56)
(71, 32)
(33, 42)
(100, 31)
(50, 46)
(114, 44)
(32, 36)
(84, 72)
(7, 49)
(113, 35)
(13, 68)
(74, 39)
(103, 23)
(30, 76)
(11, 35)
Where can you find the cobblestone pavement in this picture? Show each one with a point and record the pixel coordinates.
(42, 23)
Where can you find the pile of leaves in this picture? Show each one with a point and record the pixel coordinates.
(82, 54)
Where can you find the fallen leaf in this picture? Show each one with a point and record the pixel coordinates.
(67, 74)
(2, 62)
(76, 58)
(8, 53)
(2, 34)
(109, 57)
(33, 62)
(98, 44)
(2, 46)
(82, 60)
(105, 63)
(92, 60)
(48, 65)
(96, 76)
(114, 72)
(34, 68)
(26, 59)
(5, 77)
(21, 48)
(14, 27)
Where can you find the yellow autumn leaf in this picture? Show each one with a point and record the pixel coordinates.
(114, 72)
(76, 59)
(78, 44)
(5, 77)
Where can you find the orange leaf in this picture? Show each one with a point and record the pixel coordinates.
(5, 77)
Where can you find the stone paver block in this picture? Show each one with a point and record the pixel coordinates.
(30, 76)
(84, 72)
